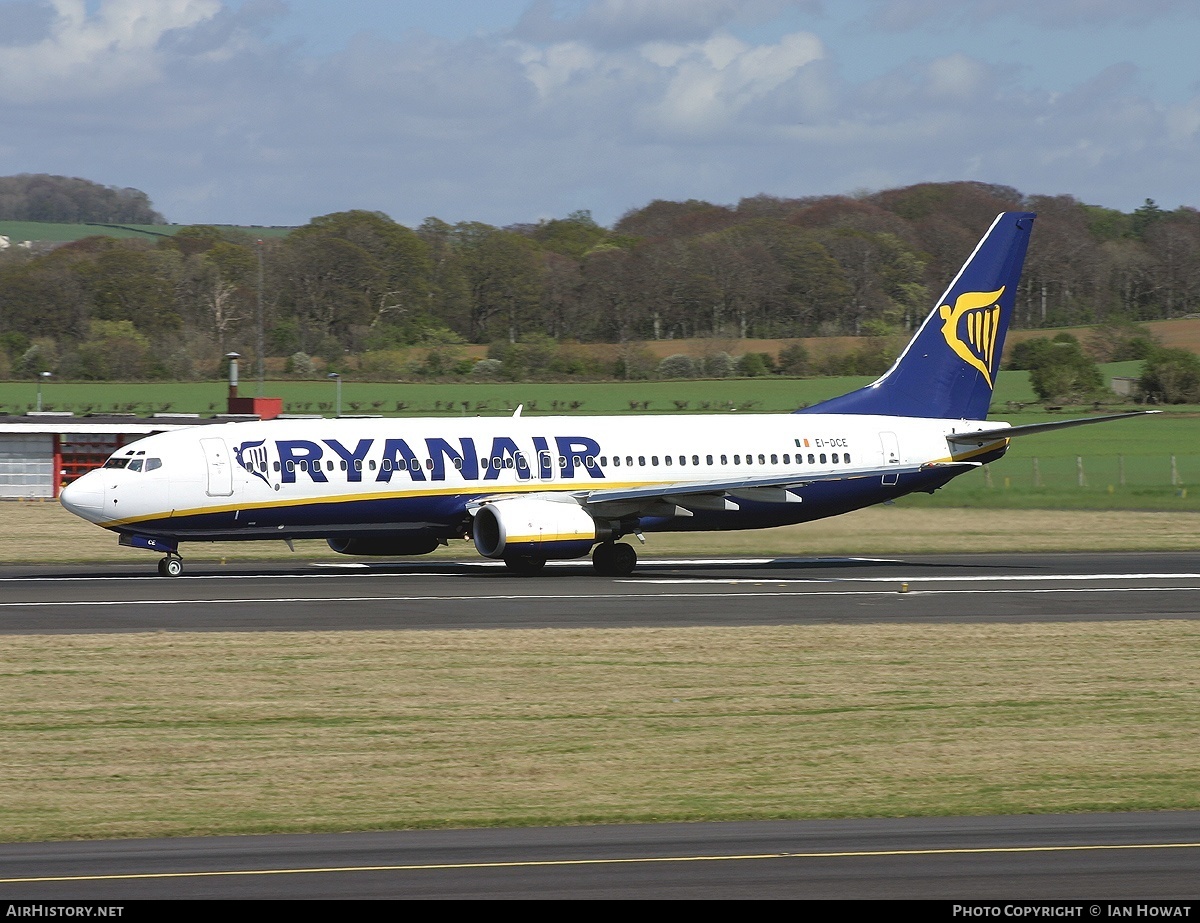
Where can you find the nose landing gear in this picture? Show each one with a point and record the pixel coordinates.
(170, 566)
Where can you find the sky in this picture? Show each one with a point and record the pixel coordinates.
(271, 112)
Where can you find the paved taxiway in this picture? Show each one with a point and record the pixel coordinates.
(1090, 858)
(476, 595)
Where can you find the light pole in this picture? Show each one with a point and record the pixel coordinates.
(337, 378)
(41, 375)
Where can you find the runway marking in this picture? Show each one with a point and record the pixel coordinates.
(629, 860)
(955, 578)
(646, 579)
(529, 598)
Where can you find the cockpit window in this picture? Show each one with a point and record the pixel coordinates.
(134, 464)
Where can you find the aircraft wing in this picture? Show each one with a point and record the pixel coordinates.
(978, 437)
(723, 494)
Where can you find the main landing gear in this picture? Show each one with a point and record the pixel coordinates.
(524, 566)
(614, 559)
(610, 559)
(170, 566)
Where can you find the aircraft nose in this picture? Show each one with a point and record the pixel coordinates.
(84, 497)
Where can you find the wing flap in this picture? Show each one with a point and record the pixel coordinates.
(767, 488)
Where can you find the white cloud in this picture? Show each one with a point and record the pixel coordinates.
(628, 23)
(955, 77)
(903, 15)
(191, 101)
(93, 54)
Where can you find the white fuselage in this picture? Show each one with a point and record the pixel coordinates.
(294, 478)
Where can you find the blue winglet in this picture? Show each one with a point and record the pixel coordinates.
(949, 368)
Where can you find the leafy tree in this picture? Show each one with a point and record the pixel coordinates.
(677, 366)
(502, 275)
(1059, 370)
(793, 361)
(42, 197)
(572, 236)
(1120, 342)
(755, 365)
(115, 350)
(1171, 376)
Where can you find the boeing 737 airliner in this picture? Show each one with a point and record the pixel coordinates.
(529, 489)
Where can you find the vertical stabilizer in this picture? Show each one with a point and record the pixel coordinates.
(949, 368)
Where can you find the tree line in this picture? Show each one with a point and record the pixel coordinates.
(70, 200)
(357, 292)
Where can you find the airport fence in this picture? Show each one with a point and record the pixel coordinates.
(1178, 471)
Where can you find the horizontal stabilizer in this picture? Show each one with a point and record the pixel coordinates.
(980, 436)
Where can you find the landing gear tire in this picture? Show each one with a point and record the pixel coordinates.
(170, 567)
(524, 566)
(614, 559)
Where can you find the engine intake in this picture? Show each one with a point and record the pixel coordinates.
(536, 528)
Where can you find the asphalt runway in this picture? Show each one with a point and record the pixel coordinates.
(477, 594)
(1091, 859)
(1086, 858)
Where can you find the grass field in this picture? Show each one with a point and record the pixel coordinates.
(40, 532)
(171, 734)
(774, 395)
(18, 231)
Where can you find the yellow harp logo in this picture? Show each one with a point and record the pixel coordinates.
(970, 328)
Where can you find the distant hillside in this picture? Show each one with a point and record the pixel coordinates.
(35, 232)
(42, 197)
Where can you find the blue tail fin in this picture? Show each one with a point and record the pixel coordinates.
(949, 368)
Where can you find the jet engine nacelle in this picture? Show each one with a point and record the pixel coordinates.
(385, 545)
(536, 528)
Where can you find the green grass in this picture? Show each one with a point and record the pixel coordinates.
(18, 231)
(1014, 397)
(439, 398)
(170, 734)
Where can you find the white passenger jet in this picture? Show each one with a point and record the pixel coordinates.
(529, 489)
